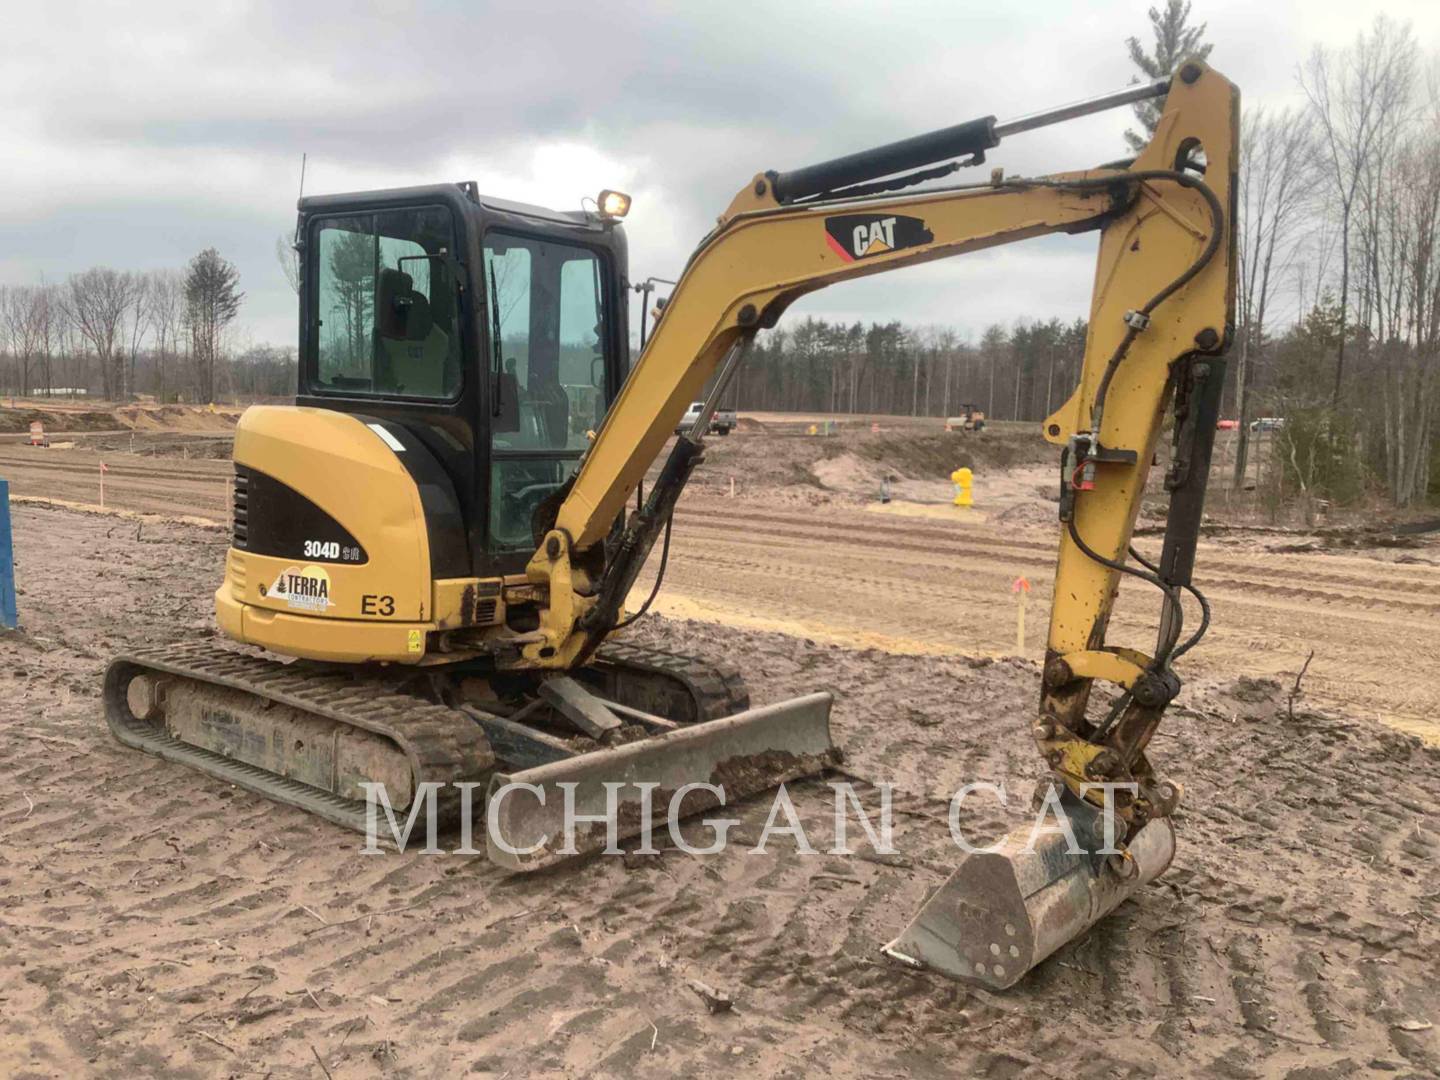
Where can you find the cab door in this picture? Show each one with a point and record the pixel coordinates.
(553, 373)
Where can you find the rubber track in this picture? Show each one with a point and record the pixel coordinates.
(444, 745)
(718, 689)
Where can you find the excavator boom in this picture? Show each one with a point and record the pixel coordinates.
(1160, 322)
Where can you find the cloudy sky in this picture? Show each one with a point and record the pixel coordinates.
(135, 134)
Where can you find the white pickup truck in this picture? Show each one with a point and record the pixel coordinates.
(722, 423)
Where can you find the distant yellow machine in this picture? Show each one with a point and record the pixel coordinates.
(970, 418)
(432, 531)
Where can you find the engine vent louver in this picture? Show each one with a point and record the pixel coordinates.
(239, 509)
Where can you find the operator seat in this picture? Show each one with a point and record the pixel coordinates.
(414, 355)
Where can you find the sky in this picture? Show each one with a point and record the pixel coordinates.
(136, 134)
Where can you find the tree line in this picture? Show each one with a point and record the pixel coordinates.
(1339, 321)
(1022, 372)
(120, 333)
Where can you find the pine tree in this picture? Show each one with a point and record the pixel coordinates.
(212, 300)
(1175, 40)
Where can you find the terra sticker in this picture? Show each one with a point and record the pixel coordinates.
(306, 589)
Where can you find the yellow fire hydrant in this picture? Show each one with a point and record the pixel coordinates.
(962, 479)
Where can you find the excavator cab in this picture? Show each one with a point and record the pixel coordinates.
(457, 356)
(494, 333)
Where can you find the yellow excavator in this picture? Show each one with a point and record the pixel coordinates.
(438, 539)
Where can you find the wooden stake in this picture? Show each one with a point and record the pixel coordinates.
(1021, 588)
(1295, 692)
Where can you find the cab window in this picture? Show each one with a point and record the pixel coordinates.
(545, 309)
(385, 305)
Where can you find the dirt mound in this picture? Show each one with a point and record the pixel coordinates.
(176, 418)
(848, 471)
(1032, 514)
(941, 453)
(18, 420)
(848, 466)
(141, 417)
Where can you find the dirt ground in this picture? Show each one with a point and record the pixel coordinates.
(82, 416)
(806, 547)
(155, 922)
(944, 584)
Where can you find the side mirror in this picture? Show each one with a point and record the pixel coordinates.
(505, 409)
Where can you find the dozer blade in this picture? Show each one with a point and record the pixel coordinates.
(742, 755)
(1004, 911)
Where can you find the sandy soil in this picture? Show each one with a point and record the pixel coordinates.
(943, 583)
(805, 547)
(154, 922)
(133, 481)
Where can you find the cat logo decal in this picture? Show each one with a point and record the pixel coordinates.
(861, 236)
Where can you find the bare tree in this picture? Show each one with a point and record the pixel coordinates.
(289, 259)
(139, 320)
(166, 297)
(993, 343)
(1359, 95)
(48, 317)
(1405, 278)
(21, 331)
(1275, 189)
(96, 302)
(7, 337)
(38, 316)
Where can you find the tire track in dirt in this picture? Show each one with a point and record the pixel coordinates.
(888, 614)
(198, 488)
(1041, 558)
(118, 471)
(964, 538)
(1265, 603)
(841, 572)
(717, 537)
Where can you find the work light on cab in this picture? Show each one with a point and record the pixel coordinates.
(613, 204)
